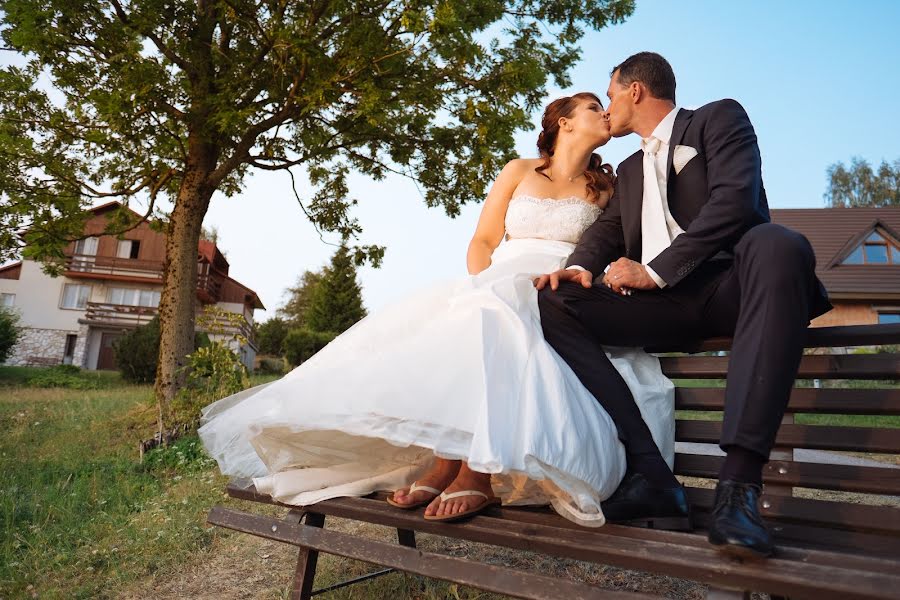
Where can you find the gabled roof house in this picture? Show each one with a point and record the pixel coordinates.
(109, 286)
(857, 259)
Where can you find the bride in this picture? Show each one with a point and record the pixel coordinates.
(451, 397)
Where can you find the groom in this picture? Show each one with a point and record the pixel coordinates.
(686, 251)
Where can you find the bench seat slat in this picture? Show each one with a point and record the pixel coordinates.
(849, 401)
(847, 478)
(816, 337)
(483, 576)
(815, 437)
(832, 366)
(800, 575)
(836, 515)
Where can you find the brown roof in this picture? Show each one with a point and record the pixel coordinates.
(834, 233)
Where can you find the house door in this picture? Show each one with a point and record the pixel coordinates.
(107, 357)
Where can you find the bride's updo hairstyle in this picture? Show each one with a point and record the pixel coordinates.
(599, 176)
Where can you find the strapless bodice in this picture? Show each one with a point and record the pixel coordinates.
(562, 220)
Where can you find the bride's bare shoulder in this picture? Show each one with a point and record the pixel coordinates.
(523, 164)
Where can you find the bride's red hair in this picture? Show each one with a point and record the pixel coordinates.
(599, 176)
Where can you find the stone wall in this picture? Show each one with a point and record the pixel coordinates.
(46, 344)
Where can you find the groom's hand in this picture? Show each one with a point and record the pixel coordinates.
(585, 278)
(625, 274)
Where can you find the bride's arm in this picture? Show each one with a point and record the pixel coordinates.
(491, 226)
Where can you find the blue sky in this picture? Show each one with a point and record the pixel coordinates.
(820, 81)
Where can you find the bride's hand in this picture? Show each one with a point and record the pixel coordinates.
(585, 278)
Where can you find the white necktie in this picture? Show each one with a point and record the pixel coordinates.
(655, 235)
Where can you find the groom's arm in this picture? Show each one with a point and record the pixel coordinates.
(733, 170)
(602, 242)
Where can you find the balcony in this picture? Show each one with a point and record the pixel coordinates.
(122, 316)
(112, 268)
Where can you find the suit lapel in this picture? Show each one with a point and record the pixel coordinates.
(681, 122)
(633, 201)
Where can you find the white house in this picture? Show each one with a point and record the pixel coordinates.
(108, 287)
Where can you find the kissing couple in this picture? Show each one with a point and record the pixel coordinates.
(526, 382)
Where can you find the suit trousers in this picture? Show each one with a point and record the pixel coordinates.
(762, 298)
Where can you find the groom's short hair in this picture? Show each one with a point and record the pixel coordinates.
(652, 70)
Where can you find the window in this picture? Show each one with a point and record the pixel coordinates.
(7, 300)
(885, 318)
(128, 249)
(87, 246)
(133, 297)
(76, 296)
(874, 250)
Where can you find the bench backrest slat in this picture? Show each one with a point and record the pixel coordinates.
(841, 401)
(832, 366)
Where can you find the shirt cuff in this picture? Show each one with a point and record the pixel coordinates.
(576, 267)
(659, 280)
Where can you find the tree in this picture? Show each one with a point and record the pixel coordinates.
(336, 301)
(860, 185)
(184, 97)
(9, 332)
(270, 336)
(299, 296)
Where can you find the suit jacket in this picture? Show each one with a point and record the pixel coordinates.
(716, 198)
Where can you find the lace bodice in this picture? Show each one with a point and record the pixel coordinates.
(549, 219)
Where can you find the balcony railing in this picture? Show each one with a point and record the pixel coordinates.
(113, 265)
(118, 315)
(209, 285)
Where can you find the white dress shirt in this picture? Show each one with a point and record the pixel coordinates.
(663, 133)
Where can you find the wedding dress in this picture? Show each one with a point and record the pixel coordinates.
(460, 370)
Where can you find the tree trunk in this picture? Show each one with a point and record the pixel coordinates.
(179, 293)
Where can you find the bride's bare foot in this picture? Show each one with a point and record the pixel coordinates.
(467, 479)
(439, 476)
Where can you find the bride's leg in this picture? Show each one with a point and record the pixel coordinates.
(439, 476)
(467, 479)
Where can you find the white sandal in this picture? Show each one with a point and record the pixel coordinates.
(489, 501)
(415, 487)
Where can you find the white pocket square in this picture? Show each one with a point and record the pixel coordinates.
(682, 156)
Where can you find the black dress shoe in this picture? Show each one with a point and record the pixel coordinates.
(736, 528)
(639, 503)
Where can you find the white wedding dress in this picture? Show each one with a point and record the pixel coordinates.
(460, 370)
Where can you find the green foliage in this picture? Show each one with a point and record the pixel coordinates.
(214, 371)
(271, 366)
(430, 89)
(860, 185)
(299, 297)
(270, 336)
(335, 303)
(65, 376)
(301, 344)
(9, 332)
(137, 351)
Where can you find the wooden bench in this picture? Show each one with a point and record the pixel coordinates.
(840, 547)
(42, 361)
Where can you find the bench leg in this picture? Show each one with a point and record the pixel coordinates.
(306, 563)
(406, 537)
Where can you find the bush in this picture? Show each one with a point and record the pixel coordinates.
(214, 371)
(270, 336)
(137, 352)
(271, 366)
(64, 376)
(301, 344)
(9, 332)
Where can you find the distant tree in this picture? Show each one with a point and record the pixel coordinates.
(270, 336)
(295, 309)
(336, 301)
(301, 344)
(136, 99)
(9, 332)
(860, 185)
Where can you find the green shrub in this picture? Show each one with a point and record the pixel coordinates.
(301, 344)
(64, 376)
(213, 372)
(270, 336)
(271, 366)
(9, 332)
(138, 350)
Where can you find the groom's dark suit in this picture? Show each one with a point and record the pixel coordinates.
(731, 272)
